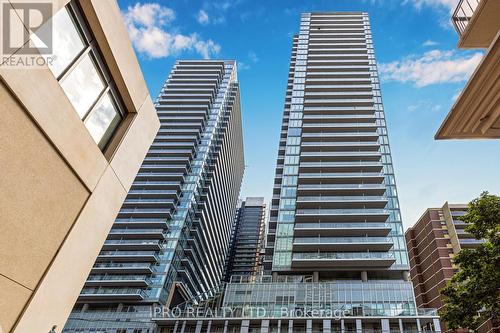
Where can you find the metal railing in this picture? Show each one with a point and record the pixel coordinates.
(463, 14)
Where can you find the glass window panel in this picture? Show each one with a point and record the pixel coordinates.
(103, 120)
(66, 41)
(83, 85)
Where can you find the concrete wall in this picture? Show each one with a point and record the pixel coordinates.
(59, 192)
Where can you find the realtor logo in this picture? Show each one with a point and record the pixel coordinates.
(20, 21)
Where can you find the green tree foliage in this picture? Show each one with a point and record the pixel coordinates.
(473, 294)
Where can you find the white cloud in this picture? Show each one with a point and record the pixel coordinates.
(429, 43)
(151, 32)
(424, 105)
(253, 57)
(432, 67)
(447, 4)
(202, 17)
(243, 66)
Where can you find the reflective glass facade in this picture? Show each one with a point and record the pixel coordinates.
(170, 240)
(335, 204)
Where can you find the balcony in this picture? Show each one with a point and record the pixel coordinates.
(342, 259)
(325, 156)
(140, 223)
(352, 201)
(340, 136)
(102, 294)
(341, 189)
(342, 244)
(137, 233)
(122, 268)
(127, 256)
(342, 229)
(360, 166)
(117, 281)
(131, 244)
(476, 22)
(341, 177)
(164, 213)
(470, 243)
(327, 215)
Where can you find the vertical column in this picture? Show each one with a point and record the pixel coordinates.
(327, 326)
(309, 326)
(385, 325)
(401, 327)
(245, 326)
(437, 324)
(199, 325)
(183, 327)
(359, 326)
(264, 326)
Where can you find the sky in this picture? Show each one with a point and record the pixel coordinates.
(421, 70)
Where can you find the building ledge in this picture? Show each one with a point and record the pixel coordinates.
(476, 113)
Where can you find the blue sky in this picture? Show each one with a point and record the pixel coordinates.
(422, 73)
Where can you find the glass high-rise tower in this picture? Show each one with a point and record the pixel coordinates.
(336, 258)
(170, 240)
(335, 209)
(247, 239)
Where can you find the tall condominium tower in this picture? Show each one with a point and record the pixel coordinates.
(335, 245)
(335, 208)
(171, 237)
(247, 238)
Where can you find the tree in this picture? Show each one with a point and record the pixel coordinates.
(473, 293)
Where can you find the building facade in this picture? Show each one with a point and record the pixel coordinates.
(171, 237)
(75, 124)
(247, 239)
(432, 243)
(476, 112)
(335, 248)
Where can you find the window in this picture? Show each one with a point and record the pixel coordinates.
(82, 74)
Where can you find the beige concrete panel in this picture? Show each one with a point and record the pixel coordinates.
(56, 295)
(13, 297)
(55, 115)
(41, 196)
(107, 24)
(135, 144)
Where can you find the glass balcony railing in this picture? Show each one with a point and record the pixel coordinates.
(113, 291)
(327, 198)
(340, 186)
(463, 13)
(367, 211)
(343, 255)
(136, 231)
(117, 278)
(342, 240)
(342, 226)
(341, 174)
(123, 265)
